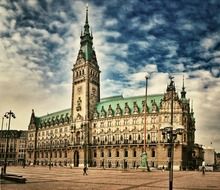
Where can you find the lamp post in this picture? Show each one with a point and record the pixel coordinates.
(51, 138)
(84, 127)
(144, 162)
(72, 130)
(145, 114)
(7, 115)
(171, 134)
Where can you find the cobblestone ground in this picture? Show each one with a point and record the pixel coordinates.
(40, 178)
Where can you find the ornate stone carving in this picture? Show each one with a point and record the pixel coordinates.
(79, 102)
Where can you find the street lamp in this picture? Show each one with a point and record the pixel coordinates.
(7, 115)
(171, 134)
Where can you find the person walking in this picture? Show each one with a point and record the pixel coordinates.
(84, 171)
(203, 167)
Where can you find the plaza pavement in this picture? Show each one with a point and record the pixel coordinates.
(60, 178)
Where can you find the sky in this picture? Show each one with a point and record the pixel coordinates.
(40, 39)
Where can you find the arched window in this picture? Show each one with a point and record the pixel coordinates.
(109, 153)
(126, 153)
(153, 153)
(117, 153)
(134, 153)
(102, 153)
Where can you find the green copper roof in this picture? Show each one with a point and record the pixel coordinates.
(105, 102)
(86, 40)
(113, 101)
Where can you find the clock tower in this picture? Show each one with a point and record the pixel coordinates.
(86, 79)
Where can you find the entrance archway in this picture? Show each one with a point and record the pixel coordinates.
(76, 159)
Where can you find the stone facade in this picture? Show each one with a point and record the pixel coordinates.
(110, 132)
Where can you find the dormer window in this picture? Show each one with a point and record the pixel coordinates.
(110, 111)
(103, 112)
(136, 110)
(127, 109)
(118, 110)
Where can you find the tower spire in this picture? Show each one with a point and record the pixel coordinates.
(183, 92)
(86, 26)
(87, 13)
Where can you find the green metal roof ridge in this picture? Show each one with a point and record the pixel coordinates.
(54, 113)
(111, 97)
(121, 97)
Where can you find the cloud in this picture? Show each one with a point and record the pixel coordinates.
(210, 41)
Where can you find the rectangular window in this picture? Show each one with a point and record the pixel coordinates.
(94, 140)
(109, 138)
(135, 136)
(102, 139)
(153, 137)
(117, 122)
(126, 153)
(109, 153)
(102, 153)
(126, 122)
(109, 123)
(153, 153)
(135, 121)
(117, 138)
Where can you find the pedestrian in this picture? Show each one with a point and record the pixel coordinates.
(203, 167)
(163, 168)
(84, 171)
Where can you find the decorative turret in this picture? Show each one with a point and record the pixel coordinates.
(33, 123)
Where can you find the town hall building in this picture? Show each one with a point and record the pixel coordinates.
(110, 132)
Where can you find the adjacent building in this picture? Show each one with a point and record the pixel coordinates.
(110, 132)
(16, 141)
